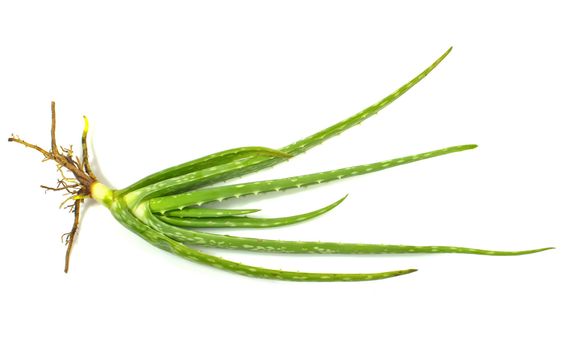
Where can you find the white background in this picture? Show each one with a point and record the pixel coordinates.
(164, 82)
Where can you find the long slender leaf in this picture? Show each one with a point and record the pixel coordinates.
(126, 218)
(205, 162)
(208, 212)
(258, 163)
(303, 247)
(220, 193)
(247, 222)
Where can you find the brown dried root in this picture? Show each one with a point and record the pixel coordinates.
(77, 187)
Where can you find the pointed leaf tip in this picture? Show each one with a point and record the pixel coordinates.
(339, 201)
(442, 57)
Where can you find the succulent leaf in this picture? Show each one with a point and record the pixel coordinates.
(212, 160)
(258, 163)
(205, 239)
(206, 195)
(246, 222)
(122, 213)
(208, 212)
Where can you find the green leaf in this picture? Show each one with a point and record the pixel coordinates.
(121, 212)
(258, 163)
(246, 222)
(305, 247)
(208, 161)
(206, 195)
(208, 212)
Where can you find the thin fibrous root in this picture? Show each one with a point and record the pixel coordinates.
(77, 186)
(71, 236)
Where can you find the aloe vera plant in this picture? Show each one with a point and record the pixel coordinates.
(168, 208)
